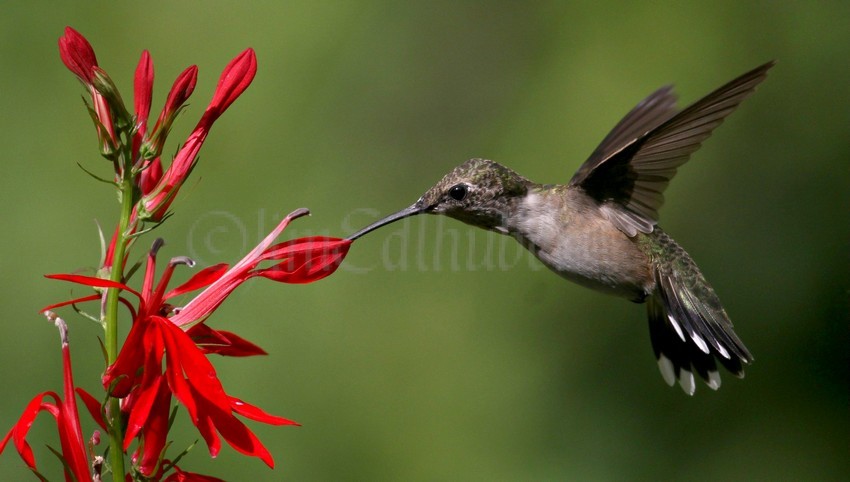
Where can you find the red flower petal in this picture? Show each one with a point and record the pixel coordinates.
(305, 259)
(93, 406)
(222, 342)
(92, 281)
(178, 348)
(146, 394)
(202, 278)
(69, 302)
(256, 413)
(70, 432)
(6, 439)
(22, 427)
(208, 300)
(310, 245)
(155, 433)
(234, 432)
(181, 476)
(121, 376)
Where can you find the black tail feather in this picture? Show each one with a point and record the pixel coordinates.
(690, 333)
(678, 359)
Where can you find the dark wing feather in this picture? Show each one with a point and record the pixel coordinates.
(647, 115)
(630, 169)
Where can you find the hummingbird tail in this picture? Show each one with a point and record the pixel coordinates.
(689, 328)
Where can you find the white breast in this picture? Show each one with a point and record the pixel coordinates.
(575, 241)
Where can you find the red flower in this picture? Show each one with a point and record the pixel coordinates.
(77, 54)
(302, 260)
(237, 76)
(64, 410)
(177, 337)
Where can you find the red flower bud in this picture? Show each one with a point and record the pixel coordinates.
(142, 89)
(177, 96)
(77, 54)
(237, 76)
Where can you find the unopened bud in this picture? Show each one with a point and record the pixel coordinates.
(104, 85)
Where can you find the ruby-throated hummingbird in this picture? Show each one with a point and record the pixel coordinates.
(600, 229)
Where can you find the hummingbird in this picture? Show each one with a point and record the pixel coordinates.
(601, 230)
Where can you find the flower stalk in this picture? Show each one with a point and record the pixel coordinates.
(116, 431)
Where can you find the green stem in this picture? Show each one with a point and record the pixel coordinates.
(116, 431)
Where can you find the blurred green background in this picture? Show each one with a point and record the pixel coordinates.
(428, 357)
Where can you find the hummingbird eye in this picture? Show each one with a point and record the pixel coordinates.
(458, 192)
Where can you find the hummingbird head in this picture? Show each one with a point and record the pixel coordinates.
(478, 192)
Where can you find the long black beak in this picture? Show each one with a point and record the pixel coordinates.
(404, 213)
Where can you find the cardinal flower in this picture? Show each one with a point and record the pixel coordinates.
(176, 338)
(64, 411)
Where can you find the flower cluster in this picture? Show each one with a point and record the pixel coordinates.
(163, 363)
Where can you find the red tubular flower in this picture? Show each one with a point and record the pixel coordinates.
(77, 54)
(64, 411)
(237, 76)
(302, 260)
(177, 337)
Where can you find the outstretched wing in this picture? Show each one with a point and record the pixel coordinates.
(630, 169)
